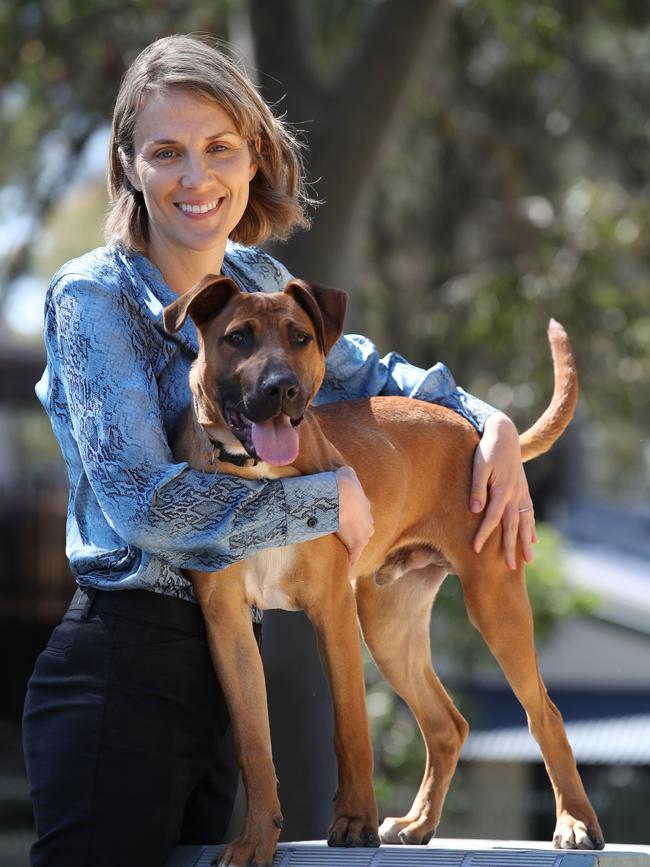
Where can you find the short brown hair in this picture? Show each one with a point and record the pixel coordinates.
(277, 197)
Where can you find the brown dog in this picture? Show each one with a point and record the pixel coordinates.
(260, 363)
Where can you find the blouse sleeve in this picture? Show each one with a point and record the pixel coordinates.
(354, 369)
(192, 519)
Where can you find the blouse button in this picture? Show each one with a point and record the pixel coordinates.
(311, 522)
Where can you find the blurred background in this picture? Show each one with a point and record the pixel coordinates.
(482, 165)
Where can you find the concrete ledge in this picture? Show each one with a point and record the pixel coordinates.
(439, 853)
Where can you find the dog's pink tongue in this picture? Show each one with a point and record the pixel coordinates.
(276, 441)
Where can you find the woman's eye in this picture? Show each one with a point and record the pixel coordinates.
(166, 154)
(218, 149)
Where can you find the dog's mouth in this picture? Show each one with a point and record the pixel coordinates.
(275, 441)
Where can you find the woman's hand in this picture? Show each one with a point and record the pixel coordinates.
(355, 517)
(499, 480)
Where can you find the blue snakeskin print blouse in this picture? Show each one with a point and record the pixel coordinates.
(115, 386)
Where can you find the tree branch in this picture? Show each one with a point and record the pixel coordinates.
(43, 202)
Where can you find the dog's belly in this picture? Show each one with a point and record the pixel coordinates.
(263, 578)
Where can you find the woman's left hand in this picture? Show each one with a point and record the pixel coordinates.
(500, 482)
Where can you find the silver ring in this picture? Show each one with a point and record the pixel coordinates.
(525, 509)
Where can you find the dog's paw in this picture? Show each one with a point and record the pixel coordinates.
(407, 831)
(349, 831)
(571, 833)
(253, 848)
(245, 855)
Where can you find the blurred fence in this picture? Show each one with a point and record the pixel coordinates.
(36, 583)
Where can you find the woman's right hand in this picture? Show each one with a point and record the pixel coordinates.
(355, 516)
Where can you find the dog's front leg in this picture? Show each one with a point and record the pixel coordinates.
(238, 664)
(333, 615)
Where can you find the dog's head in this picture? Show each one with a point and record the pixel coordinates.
(261, 359)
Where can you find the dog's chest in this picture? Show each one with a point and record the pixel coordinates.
(264, 578)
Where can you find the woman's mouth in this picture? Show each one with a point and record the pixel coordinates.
(198, 209)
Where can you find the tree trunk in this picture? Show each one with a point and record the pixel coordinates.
(347, 123)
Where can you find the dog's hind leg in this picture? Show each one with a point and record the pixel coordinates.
(395, 623)
(497, 604)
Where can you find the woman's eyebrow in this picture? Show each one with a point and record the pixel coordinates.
(220, 134)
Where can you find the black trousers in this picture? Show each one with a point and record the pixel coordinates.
(126, 734)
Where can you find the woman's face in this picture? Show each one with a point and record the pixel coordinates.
(193, 169)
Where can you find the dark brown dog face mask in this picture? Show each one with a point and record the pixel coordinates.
(261, 358)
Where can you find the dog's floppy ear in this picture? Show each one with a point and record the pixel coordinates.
(202, 302)
(325, 307)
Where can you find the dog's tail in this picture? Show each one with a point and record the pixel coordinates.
(551, 424)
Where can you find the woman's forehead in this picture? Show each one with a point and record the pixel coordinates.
(177, 112)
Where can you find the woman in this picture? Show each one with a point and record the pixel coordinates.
(124, 721)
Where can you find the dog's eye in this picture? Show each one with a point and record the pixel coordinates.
(236, 338)
(301, 338)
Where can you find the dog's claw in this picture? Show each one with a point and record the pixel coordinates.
(354, 833)
(406, 831)
(371, 840)
(598, 841)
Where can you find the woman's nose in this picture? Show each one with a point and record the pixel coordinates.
(196, 171)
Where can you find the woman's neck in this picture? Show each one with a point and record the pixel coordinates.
(182, 269)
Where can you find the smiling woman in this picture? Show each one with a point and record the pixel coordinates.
(123, 711)
(195, 187)
(173, 75)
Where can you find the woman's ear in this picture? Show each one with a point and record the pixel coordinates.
(257, 144)
(127, 168)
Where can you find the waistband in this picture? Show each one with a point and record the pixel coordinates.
(144, 606)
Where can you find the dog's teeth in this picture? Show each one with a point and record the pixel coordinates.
(236, 420)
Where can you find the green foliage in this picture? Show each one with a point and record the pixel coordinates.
(516, 191)
(399, 751)
(61, 64)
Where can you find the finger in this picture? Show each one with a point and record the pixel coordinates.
(490, 522)
(526, 536)
(356, 548)
(354, 554)
(510, 524)
(480, 479)
(527, 521)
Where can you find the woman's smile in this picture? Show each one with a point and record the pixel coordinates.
(199, 209)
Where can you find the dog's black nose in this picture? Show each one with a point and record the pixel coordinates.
(282, 385)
